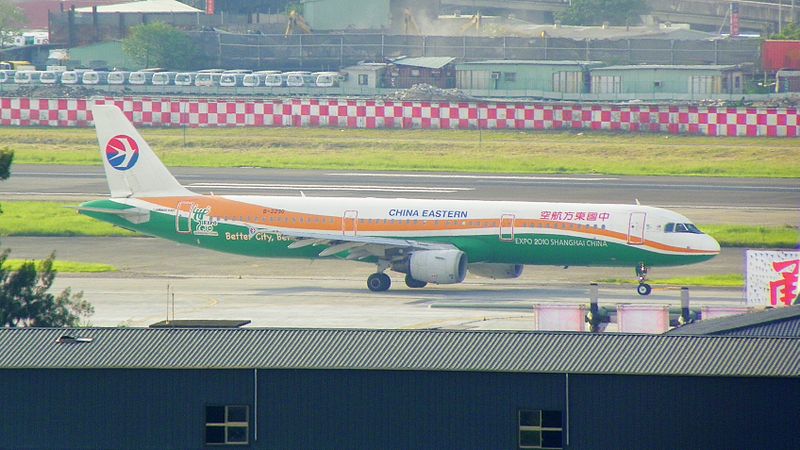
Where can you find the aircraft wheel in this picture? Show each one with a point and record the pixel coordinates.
(379, 282)
(414, 283)
(644, 289)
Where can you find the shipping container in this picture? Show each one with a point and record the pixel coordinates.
(777, 55)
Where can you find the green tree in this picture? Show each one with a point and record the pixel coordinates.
(159, 45)
(595, 12)
(24, 300)
(790, 32)
(11, 19)
(6, 156)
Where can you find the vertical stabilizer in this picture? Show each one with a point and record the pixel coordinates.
(132, 168)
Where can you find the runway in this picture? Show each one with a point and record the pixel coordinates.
(329, 293)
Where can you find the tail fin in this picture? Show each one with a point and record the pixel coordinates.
(132, 168)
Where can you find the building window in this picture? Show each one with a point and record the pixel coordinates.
(540, 429)
(509, 76)
(227, 425)
(606, 84)
(415, 72)
(363, 79)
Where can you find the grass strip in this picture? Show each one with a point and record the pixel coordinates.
(754, 236)
(496, 151)
(727, 280)
(64, 266)
(26, 218)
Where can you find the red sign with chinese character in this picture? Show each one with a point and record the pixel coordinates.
(784, 289)
(210, 7)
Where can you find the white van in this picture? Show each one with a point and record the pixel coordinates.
(49, 77)
(140, 77)
(275, 80)
(251, 80)
(204, 78)
(71, 76)
(231, 79)
(26, 76)
(163, 78)
(7, 76)
(94, 77)
(117, 77)
(184, 78)
(327, 79)
(299, 79)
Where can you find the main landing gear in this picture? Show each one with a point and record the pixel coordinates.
(641, 274)
(379, 282)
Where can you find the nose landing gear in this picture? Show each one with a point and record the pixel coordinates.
(641, 275)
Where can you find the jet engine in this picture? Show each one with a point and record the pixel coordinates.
(435, 266)
(496, 271)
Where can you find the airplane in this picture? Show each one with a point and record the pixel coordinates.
(430, 241)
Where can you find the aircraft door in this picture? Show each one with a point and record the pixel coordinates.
(507, 227)
(636, 228)
(183, 217)
(350, 222)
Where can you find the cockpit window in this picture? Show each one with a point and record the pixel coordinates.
(693, 229)
(681, 228)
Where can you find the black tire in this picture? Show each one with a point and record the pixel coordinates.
(378, 282)
(644, 289)
(413, 283)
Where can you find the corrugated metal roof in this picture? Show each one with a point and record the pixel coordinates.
(778, 322)
(428, 62)
(669, 67)
(533, 62)
(495, 351)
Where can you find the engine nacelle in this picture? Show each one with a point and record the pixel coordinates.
(496, 271)
(438, 266)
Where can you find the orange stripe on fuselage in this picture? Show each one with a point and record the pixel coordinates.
(235, 211)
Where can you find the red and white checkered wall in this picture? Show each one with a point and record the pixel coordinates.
(165, 112)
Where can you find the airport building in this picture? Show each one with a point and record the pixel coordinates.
(388, 389)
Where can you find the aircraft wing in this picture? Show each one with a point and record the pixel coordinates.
(359, 246)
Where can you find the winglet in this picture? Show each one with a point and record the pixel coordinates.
(132, 168)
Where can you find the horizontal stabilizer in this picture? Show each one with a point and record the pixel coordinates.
(132, 215)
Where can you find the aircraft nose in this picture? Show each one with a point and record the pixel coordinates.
(712, 245)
